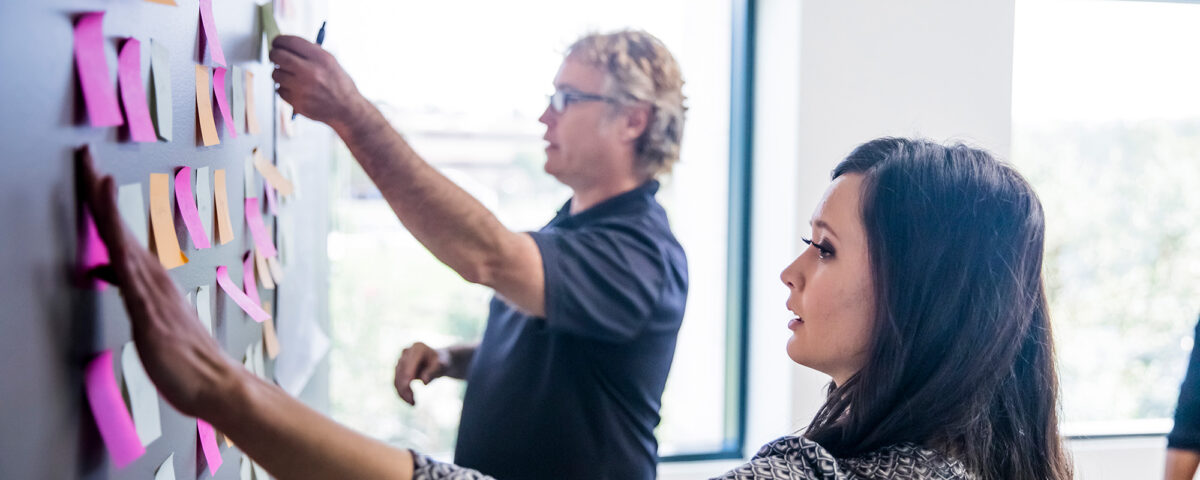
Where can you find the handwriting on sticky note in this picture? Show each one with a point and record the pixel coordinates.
(187, 208)
(143, 397)
(163, 222)
(262, 238)
(112, 418)
(222, 101)
(208, 443)
(133, 211)
(272, 174)
(133, 94)
(208, 126)
(98, 92)
(224, 224)
(210, 33)
(256, 312)
(251, 118)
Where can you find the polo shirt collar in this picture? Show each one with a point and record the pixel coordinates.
(617, 204)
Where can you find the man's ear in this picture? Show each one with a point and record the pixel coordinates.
(637, 119)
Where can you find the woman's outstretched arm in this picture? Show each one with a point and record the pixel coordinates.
(192, 373)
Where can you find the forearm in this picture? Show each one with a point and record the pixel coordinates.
(459, 359)
(447, 220)
(1181, 464)
(293, 441)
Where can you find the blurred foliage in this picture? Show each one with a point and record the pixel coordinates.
(1122, 203)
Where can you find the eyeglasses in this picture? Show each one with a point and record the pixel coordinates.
(560, 100)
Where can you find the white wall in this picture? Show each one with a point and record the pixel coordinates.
(831, 74)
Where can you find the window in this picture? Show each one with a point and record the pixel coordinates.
(1106, 124)
(465, 82)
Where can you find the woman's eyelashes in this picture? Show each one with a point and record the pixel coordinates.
(823, 248)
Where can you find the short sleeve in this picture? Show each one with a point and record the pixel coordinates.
(603, 281)
(1186, 432)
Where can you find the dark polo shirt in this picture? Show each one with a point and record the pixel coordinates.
(575, 395)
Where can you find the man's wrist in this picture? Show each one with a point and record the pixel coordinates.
(352, 119)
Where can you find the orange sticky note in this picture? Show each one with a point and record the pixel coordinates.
(269, 339)
(251, 118)
(208, 126)
(264, 272)
(224, 224)
(164, 2)
(163, 223)
(272, 174)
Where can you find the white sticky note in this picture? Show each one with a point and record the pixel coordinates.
(204, 306)
(143, 398)
(133, 210)
(247, 469)
(302, 346)
(239, 99)
(260, 368)
(248, 178)
(166, 471)
(204, 200)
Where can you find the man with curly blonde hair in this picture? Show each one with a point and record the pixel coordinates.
(582, 330)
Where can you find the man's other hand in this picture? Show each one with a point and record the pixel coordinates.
(422, 362)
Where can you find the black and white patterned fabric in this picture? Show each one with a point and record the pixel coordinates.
(786, 458)
(798, 458)
(425, 468)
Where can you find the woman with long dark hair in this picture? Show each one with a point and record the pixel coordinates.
(920, 294)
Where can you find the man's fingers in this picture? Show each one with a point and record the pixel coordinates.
(295, 45)
(280, 75)
(286, 59)
(429, 369)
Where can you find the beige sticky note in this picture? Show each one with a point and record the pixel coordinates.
(251, 118)
(276, 269)
(272, 174)
(269, 339)
(286, 124)
(162, 222)
(264, 272)
(224, 224)
(208, 126)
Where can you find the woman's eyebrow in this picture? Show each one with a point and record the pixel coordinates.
(822, 224)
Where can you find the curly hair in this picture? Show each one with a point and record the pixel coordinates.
(640, 70)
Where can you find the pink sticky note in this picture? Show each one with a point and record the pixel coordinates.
(187, 208)
(208, 443)
(210, 32)
(112, 417)
(253, 309)
(222, 101)
(248, 281)
(133, 94)
(262, 239)
(92, 252)
(270, 198)
(98, 91)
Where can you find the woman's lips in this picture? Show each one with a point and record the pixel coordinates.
(795, 322)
